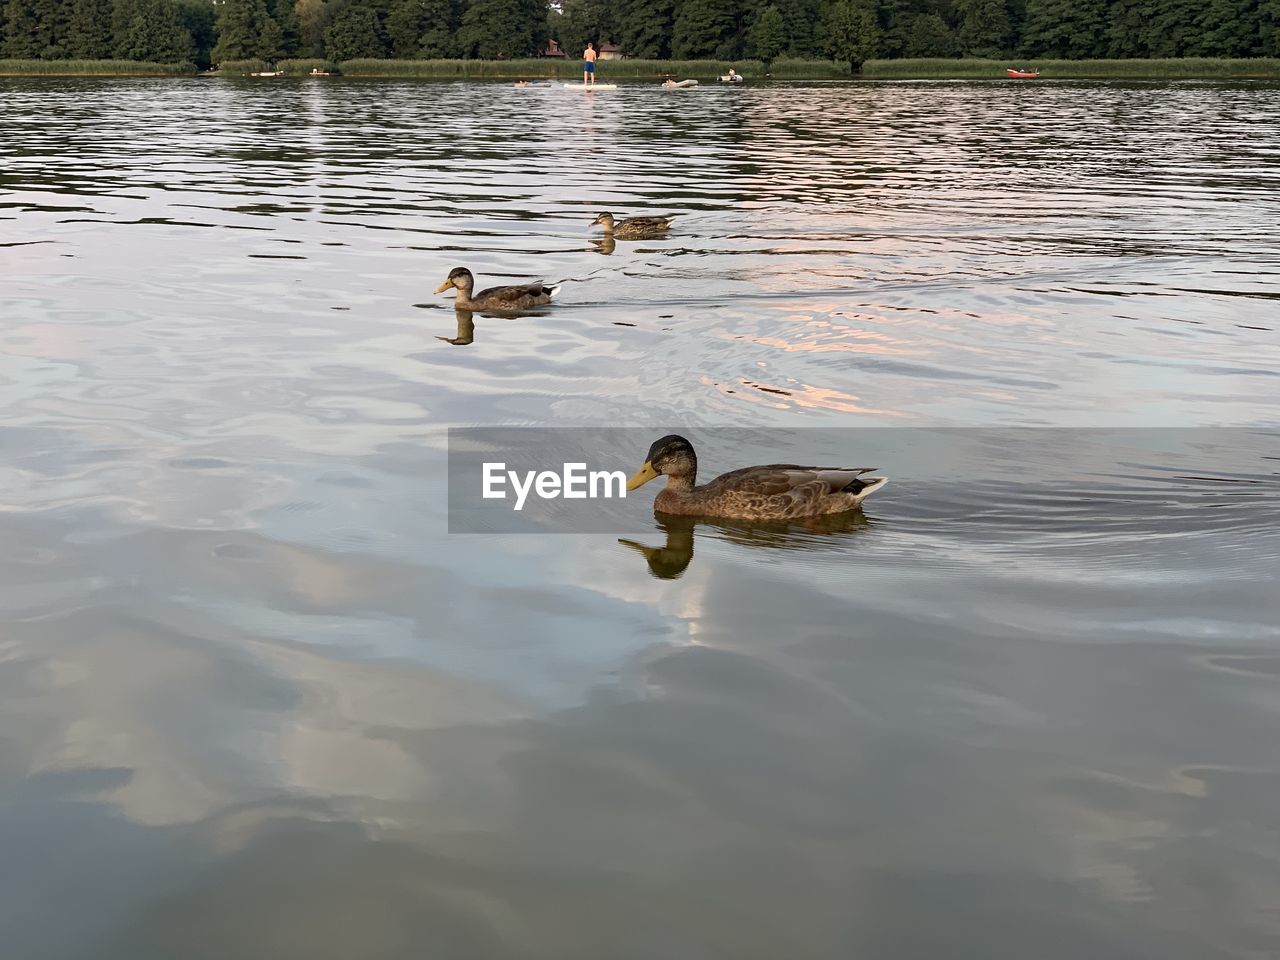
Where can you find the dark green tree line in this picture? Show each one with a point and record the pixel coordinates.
(851, 31)
(163, 31)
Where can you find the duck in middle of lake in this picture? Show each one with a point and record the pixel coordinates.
(777, 491)
(498, 299)
(633, 228)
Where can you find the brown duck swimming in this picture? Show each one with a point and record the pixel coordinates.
(495, 298)
(778, 491)
(633, 228)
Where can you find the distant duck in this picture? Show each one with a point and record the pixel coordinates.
(633, 228)
(778, 491)
(497, 299)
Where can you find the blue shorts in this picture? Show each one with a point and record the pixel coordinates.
(589, 66)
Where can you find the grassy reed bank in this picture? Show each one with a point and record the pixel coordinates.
(242, 68)
(290, 68)
(92, 68)
(303, 68)
(606, 70)
(1173, 69)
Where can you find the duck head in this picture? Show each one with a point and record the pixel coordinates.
(459, 279)
(672, 456)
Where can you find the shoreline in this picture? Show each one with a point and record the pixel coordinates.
(1189, 68)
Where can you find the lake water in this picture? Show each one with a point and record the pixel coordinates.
(257, 702)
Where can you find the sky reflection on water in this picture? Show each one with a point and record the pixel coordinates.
(255, 702)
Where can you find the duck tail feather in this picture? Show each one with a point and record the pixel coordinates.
(867, 486)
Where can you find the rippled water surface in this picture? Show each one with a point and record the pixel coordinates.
(255, 701)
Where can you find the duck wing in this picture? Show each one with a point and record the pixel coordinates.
(779, 479)
(646, 223)
(521, 295)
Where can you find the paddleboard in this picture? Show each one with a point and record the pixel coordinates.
(592, 86)
(680, 85)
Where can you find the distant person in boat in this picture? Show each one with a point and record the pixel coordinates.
(589, 65)
(731, 73)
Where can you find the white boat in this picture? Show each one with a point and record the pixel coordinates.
(679, 84)
(591, 86)
(274, 73)
(731, 78)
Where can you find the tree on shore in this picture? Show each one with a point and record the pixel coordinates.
(406, 20)
(355, 34)
(439, 37)
(502, 29)
(768, 35)
(22, 33)
(246, 31)
(851, 31)
(156, 34)
(705, 28)
(285, 14)
(930, 37)
(1067, 29)
(314, 17)
(89, 30)
(896, 21)
(800, 20)
(1269, 28)
(197, 18)
(645, 27)
(35, 29)
(581, 21)
(984, 28)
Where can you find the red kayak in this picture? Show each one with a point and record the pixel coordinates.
(1022, 74)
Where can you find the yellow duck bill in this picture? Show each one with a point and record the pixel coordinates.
(444, 286)
(642, 476)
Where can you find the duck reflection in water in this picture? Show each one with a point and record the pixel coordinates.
(604, 245)
(670, 561)
(466, 329)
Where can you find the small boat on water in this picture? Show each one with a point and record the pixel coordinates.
(679, 84)
(730, 78)
(1015, 74)
(268, 73)
(591, 86)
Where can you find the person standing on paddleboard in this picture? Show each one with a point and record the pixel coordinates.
(589, 65)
